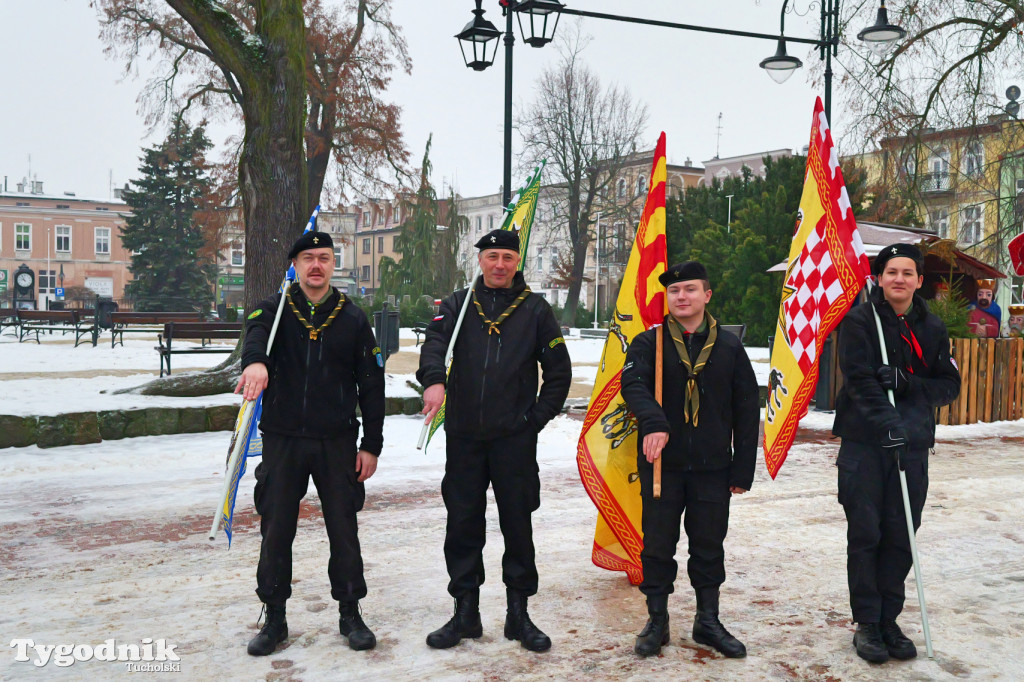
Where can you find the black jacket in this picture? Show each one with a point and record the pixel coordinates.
(729, 414)
(492, 389)
(863, 411)
(314, 385)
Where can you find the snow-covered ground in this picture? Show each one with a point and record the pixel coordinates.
(108, 541)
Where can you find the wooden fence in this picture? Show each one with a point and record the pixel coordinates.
(991, 381)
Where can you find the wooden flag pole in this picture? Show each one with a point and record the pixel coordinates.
(658, 362)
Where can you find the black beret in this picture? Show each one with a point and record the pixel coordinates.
(899, 251)
(499, 239)
(311, 240)
(682, 272)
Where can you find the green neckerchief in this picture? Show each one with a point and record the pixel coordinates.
(493, 326)
(315, 332)
(691, 402)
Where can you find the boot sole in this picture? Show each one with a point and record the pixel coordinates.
(902, 655)
(515, 638)
(283, 637)
(664, 642)
(472, 634)
(700, 639)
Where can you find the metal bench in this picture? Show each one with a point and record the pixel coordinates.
(9, 318)
(204, 332)
(152, 323)
(75, 322)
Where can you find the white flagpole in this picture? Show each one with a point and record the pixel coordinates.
(906, 502)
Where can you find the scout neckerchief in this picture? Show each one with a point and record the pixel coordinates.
(315, 332)
(493, 326)
(691, 402)
(910, 339)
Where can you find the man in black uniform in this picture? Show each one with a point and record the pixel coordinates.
(323, 360)
(879, 440)
(492, 417)
(705, 433)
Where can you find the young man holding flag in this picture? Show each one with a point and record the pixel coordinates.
(323, 361)
(493, 414)
(880, 439)
(705, 432)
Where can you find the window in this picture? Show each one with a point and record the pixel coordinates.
(63, 206)
(479, 224)
(380, 244)
(22, 203)
(366, 273)
(974, 159)
(396, 213)
(641, 185)
(337, 256)
(102, 241)
(971, 221)
(62, 239)
(47, 281)
(394, 243)
(238, 252)
(22, 237)
(622, 188)
(366, 245)
(490, 223)
(540, 259)
(909, 164)
(380, 216)
(102, 208)
(940, 222)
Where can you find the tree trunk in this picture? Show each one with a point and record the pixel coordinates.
(572, 299)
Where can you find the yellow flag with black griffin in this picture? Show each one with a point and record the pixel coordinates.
(607, 449)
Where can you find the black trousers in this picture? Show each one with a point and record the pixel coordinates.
(701, 499)
(878, 557)
(510, 465)
(281, 482)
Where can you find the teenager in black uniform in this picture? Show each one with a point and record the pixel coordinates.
(879, 440)
(705, 433)
(324, 360)
(493, 414)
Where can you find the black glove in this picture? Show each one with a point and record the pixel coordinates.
(895, 444)
(894, 378)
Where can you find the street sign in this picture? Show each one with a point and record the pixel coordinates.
(59, 291)
(3, 280)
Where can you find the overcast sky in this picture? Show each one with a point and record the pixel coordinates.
(75, 112)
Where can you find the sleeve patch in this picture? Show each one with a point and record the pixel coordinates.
(953, 362)
(439, 317)
(256, 313)
(555, 342)
(377, 354)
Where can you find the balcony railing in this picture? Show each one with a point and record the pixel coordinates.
(934, 182)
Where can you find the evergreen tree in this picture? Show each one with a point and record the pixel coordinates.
(162, 233)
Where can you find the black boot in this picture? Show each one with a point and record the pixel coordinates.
(519, 626)
(655, 634)
(897, 644)
(707, 629)
(352, 626)
(869, 644)
(465, 624)
(273, 632)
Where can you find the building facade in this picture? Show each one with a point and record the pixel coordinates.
(65, 240)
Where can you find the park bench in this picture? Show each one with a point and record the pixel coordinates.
(9, 318)
(204, 332)
(420, 330)
(152, 323)
(738, 329)
(76, 322)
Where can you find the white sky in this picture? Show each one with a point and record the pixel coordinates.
(71, 108)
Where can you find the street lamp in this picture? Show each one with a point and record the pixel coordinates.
(476, 38)
(879, 38)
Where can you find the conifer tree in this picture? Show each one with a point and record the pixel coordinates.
(162, 231)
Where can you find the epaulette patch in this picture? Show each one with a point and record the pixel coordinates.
(555, 342)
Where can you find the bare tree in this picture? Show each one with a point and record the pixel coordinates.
(305, 95)
(587, 132)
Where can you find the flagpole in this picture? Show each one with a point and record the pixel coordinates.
(659, 360)
(448, 355)
(906, 500)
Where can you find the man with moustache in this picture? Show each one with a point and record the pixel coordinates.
(984, 316)
(705, 432)
(324, 360)
(493, 414)
(880, 440)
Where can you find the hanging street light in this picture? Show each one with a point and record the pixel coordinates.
(478, 41)
(542, 17)
(881, 36)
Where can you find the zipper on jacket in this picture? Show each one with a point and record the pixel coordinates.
(483, 381)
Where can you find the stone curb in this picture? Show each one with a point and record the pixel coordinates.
(79, 428)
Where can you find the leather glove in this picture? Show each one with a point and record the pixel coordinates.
(894, 378)
(895, 443)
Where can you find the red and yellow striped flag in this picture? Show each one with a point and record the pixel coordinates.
(827, 268)
(607, 449)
